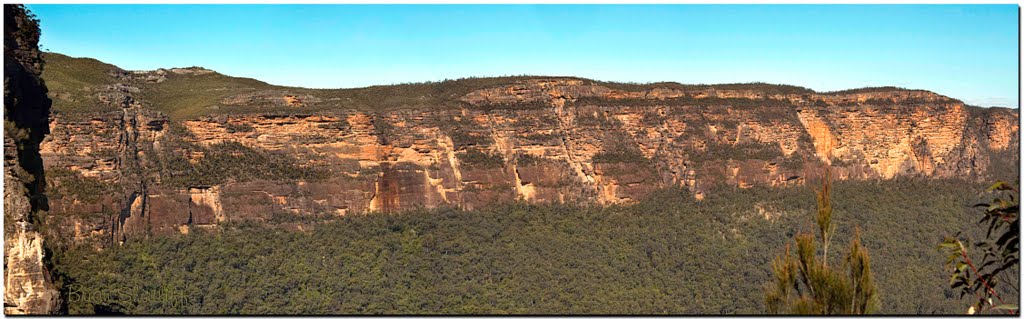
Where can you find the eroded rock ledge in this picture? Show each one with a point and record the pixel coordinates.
(540, 141)
(557, 91)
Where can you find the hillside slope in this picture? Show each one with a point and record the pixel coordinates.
(138, 153)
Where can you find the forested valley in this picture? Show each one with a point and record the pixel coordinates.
(666, 254)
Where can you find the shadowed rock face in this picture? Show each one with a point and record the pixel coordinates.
(534, 140)
(27, 286)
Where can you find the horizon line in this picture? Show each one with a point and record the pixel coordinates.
(814, 91)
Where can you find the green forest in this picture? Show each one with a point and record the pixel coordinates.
(668, 254)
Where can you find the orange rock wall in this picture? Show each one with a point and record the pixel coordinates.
(571, 151)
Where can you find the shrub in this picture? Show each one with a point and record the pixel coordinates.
(620, 155)
(477, 159)
(339, 125)
(232, 161)
(528, 160)
(238, 128)
(65, 182)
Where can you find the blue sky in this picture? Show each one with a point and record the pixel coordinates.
(964, 51)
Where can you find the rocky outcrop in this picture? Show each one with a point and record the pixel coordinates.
(27, 286)
(557, 91)
(535, 140)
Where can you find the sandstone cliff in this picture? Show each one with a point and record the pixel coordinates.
(27, 286)
(131, 159)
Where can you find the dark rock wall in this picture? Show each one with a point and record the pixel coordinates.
(28, 288)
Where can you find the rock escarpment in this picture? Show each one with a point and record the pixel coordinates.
(27, 286)
(277, 154)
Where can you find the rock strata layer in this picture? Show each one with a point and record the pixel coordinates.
(534, 140)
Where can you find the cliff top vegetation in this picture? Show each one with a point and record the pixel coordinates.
(81, 85)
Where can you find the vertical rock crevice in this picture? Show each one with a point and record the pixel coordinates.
(129, 165)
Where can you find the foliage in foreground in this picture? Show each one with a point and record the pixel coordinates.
(804, 282)
(669, 254)
(1000, 250)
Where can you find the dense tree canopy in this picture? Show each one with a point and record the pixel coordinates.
(806, 283)
(669, 254)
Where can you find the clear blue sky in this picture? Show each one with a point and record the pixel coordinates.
(964, 51)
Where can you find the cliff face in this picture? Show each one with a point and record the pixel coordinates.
(133, 171)
(27, 287)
